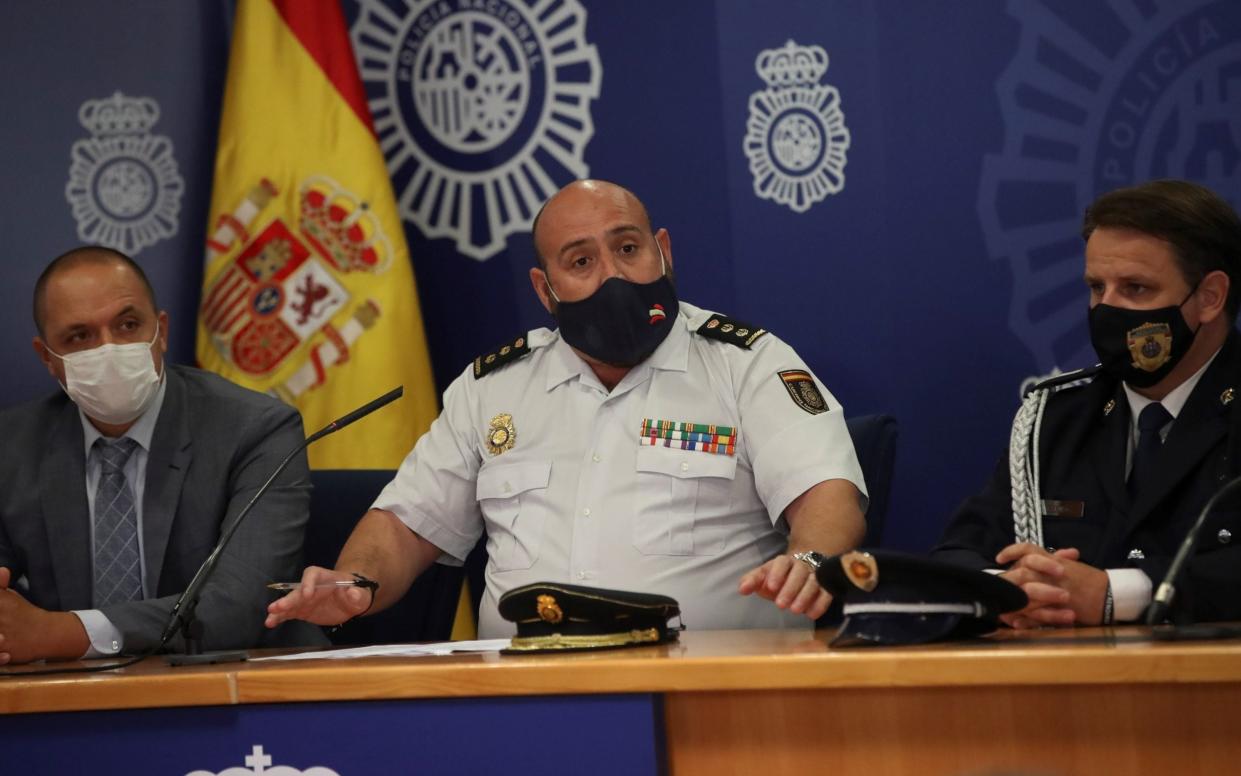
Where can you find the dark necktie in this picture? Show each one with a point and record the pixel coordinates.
(118, 570)
(1150, 422)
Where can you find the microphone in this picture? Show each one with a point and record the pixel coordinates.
(1166, 591)
(358, 414)
(182, 616)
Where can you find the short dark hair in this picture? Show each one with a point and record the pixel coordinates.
(86, 254)
(1203, 229)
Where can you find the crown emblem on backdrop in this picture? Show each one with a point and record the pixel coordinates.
(791, 64)
(124, 188)
(343, 227)
(260, 762)
(796, 138)
(119, 115)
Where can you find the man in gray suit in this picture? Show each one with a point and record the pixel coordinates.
(114, 490)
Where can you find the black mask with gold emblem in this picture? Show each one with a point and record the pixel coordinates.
(1140, 347)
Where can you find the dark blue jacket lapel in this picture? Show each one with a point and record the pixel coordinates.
(1199, 427)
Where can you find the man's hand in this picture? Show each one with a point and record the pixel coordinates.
(29, 633)
(827, 518)
(790, 584)
(1062, 590)
(328, 605)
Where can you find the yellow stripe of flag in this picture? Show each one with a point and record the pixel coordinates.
(308, 290)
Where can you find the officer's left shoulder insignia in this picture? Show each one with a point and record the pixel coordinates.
(804, 392)
(730, 330)
(506, 353)
(1061, 381)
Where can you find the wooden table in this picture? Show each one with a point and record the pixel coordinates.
(1088, 701)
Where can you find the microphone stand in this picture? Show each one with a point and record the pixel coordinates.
(182, 619)
(1166, 591)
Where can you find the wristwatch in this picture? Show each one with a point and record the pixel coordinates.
(814, 560)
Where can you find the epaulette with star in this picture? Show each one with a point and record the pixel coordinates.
(1062, 382)
(505, 354)
(730, 330)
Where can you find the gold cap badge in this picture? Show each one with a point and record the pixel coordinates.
(548, 609)
(861, 569)
(501, 435)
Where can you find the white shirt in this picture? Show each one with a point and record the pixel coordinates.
(579, 498)
(1131, 588)
(106, 638)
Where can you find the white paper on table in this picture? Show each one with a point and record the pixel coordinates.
(395, 650)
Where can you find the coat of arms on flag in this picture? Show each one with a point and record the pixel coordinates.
(283, 284)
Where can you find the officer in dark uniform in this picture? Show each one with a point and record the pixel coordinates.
(1109, 467)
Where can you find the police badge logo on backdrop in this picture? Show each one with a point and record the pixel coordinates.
(483, 108)
(1099, 96)
(796, 136)
(124, 186)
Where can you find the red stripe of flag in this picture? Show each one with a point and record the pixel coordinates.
(222, 288)
(228, 324)
(233, 299)
(320, 27)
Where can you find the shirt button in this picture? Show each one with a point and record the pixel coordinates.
(1224, 536)
(586, 512)
(116, 646)
(581, 575)
(508, 488)
(684, 466)
(595, 458)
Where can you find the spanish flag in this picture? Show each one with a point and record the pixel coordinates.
(308, 293)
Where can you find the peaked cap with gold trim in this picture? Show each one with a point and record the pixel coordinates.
(555, 617)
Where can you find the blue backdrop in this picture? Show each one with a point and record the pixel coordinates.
(894, 187)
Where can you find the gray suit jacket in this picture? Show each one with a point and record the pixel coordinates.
(214, 444)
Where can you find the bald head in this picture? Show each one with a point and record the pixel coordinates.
(577, 204)
(90, 255)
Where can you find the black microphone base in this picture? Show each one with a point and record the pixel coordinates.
(1198, 632)
(206, 658)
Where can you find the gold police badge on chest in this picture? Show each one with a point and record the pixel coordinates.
(501, 435)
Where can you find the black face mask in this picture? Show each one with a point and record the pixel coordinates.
(1140, 347)
(622, 322)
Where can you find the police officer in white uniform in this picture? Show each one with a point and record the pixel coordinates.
(644, 445)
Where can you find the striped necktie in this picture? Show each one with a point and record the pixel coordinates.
(118, 570)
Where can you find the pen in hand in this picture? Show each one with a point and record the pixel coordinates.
(333, 583)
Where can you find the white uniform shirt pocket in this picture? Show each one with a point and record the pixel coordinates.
(514, 525)
(683, 501)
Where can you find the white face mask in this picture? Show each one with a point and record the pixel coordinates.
(112, 384)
